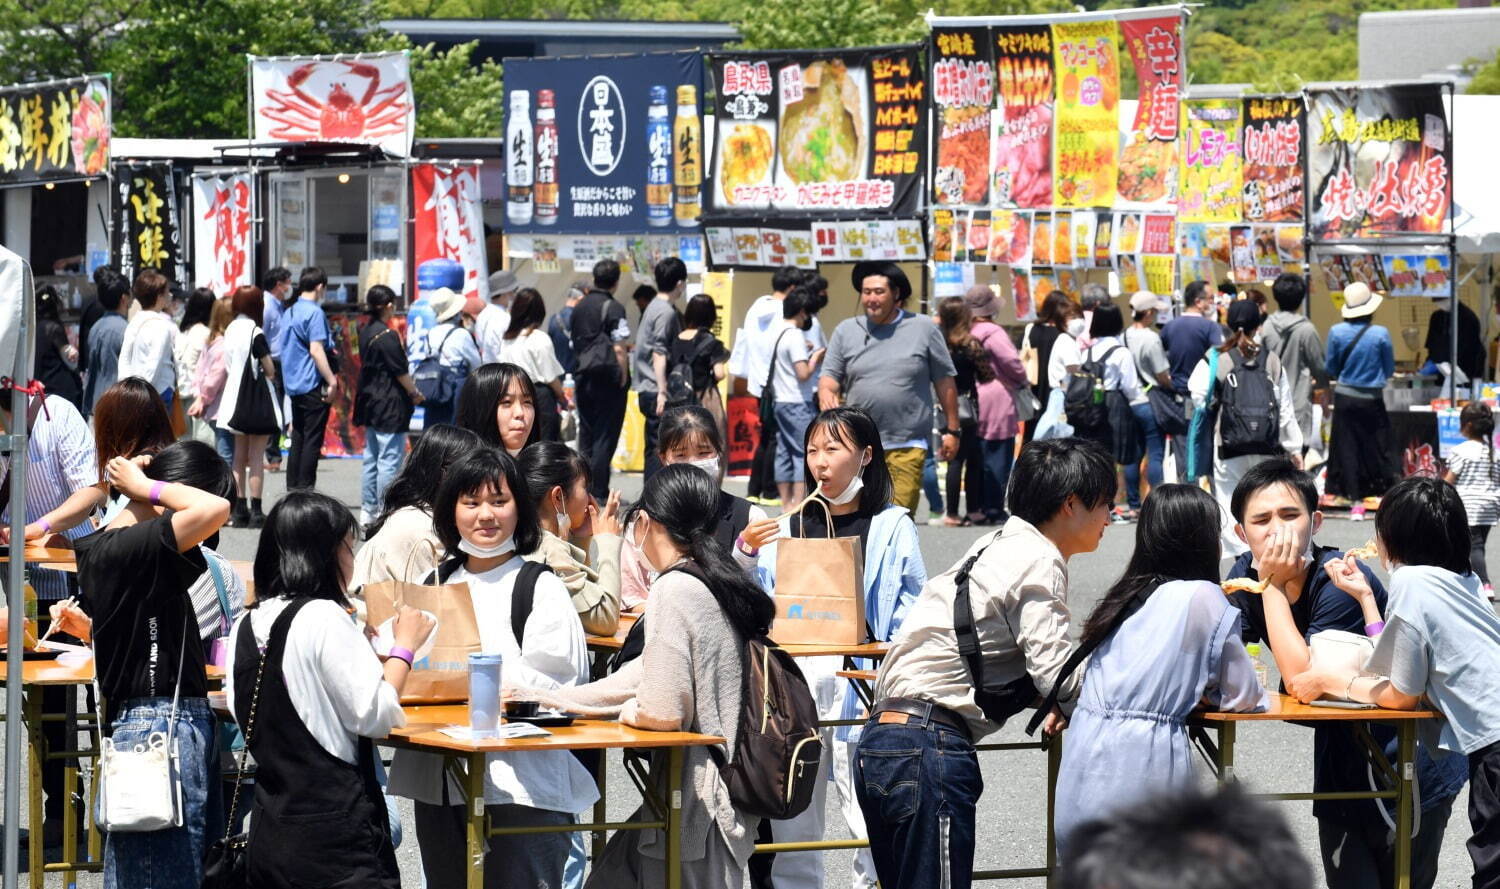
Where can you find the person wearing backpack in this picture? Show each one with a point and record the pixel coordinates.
(1247, 398)
(697, 361)
(451, 358)
(1098, 395)
(981, 643)
(487, 523)
(1361, 359)
(600, 332)
(1291, 336)
(707, 618)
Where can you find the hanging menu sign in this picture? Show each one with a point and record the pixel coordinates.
(1210, 161)
(963, 93)
(1022, 166)
(1088, 97)
(1148, 163)
(146, 231)
(57, 130)
(1272, 148)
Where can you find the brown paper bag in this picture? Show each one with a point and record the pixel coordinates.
(443, 676)
(820, 590)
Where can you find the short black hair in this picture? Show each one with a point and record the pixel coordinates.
(1228, 288)
(606, 274)
(888, 270)
(1219, 839)
(1267, 473)
(296, 553)
(700, 312)
(551, 464)
(857, 430)
(416, 485)
(482, 469)
(311, 279)
(1194, 291)
(1422, 522)
(1049, 472)
(643, 293)
(1108, 321)
(111, 287)
(785, 278)
(669, 273)
(795, 302)
(275, 276)
(377, 298)
(1289, 291)
(197, 465)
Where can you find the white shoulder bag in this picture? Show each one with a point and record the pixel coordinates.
(140, 787)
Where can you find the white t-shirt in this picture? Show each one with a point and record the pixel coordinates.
(791, 347)
(1119, 369)
(553, 655)
(751, 357)
(1064, 353)
(489, 331)
(454, 351)
(147, 350)
(533, 352)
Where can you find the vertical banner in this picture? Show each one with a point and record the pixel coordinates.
(365, 99)
(1272, 148)
(1022, 167)
(146, 230)
(449, 224)
(222, 249)
(1211, 162)
(963, 95)
(1088, 98)
(1148, 163)
(56, 130)
(1380, 159)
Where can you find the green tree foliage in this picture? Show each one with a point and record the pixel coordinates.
(454, 98)
(1487, 77)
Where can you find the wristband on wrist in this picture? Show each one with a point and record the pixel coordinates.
(403, 654)
(742, 546)
(46, 526)
(1375, 628)
(156, 490)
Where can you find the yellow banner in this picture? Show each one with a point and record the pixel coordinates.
(1087, 130)
(1211, 162)
(1160, 273)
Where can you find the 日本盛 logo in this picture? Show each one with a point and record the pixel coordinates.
(601, 125)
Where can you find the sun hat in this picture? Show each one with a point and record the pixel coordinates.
(1145, 301)
(445, 303)
(503, 282)
(1359, 301)
(982, 301)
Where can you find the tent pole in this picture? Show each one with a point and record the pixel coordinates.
(15, 600)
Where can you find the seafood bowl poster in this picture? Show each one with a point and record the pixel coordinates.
(56, 130)
(1380, 160)
(604, 145)
(825, 132)
(365, 99)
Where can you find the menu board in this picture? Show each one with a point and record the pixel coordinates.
(963, 96)
(1272, 148)
(146, 231)
(1148, 162)
(1211, 161)
(1087, 69)
(822, 132)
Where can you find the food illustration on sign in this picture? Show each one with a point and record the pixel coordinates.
(90, 132)
(337, 114)
(745, 159)
(823, 134)
(1148, 170)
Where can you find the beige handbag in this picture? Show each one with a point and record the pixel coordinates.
(820, 590)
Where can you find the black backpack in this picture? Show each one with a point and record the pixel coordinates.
(1249, 413)
(1083, 393)
(681, 388)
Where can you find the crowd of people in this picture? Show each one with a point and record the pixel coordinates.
(164, 440)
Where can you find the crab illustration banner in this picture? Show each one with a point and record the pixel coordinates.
(1085, 156)
(146, 233)
(449, 223)
(1380, 160)
(223, 252)
(365, 99)
(56, 130)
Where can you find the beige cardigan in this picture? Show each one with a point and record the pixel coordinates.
(406, 548)
(595, 590)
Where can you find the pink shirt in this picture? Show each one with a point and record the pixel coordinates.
(997, 407)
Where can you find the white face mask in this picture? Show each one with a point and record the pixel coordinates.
(508, 545)
(564, 524)
(640, 555)
(1075, 328)
(709, 465)
(851, 490)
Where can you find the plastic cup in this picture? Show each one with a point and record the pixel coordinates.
(484, 695)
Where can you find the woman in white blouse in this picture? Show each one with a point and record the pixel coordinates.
(487, 524)
(245, 345)
(193, 330)
(1122, 387)
(148, 349)
(311, 695)
(529, 347)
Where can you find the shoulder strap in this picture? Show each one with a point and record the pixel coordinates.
(1352, 343)
(522, 595)
(1145, 383)
(771, 371)
(964, 631)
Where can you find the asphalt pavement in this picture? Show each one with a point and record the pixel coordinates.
(1269, 757)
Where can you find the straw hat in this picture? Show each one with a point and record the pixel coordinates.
(1359, 301)
(445, 303)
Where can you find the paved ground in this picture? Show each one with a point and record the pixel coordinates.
(1269, 757)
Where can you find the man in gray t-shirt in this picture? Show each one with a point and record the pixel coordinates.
(653, 340)
(888, 362)
(1153, 369)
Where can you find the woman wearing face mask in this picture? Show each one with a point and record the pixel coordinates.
(498, 401)
(687, 679)
(557, 480)
(487, 523)
(846, 462)
(1058, 355)
(688, 434)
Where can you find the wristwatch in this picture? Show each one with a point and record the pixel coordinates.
(953, 432)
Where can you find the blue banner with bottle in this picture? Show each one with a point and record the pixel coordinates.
(604, 144)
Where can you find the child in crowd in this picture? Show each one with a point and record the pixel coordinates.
(1473, 470)
(846, 464)
(1440, 643)
(487, 523)
(1275, 510)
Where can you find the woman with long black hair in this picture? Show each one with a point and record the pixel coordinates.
(1162, 641)
(529, 347)
(498, 401)
(703, 608)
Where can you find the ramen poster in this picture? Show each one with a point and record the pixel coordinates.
(833, 131)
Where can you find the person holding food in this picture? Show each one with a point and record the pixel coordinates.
(1275, 511)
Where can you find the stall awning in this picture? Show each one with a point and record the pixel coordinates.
(1476, 188)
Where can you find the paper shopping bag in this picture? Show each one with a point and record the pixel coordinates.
(442, 677)
(819, 590)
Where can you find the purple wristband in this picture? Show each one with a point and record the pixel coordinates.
(156, 490)
(46, 526)
(1375, 628)
(404, 654)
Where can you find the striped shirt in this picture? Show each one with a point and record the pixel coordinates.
(61, 461)
(1477, 474)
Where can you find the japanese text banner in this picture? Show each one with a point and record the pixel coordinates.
(364, 99)
(57, 130)
(223, 252)
(1272, 148)
(1211, 159)
(1024, 129)
(1086, 157)
(146, 233)
(1148, 163)
(963, 96)
(449, 223)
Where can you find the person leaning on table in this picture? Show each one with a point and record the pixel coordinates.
(915, 771)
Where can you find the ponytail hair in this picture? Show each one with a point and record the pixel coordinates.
(1478, 422)
(684, 501)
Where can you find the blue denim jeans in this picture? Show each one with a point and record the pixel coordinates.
(997, 457)
(918, 786)
(792, 419)
(172, 858)
(224, 443)
(384, 452)
(1155, 447)
(930, 486)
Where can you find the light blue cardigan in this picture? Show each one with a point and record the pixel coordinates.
(894, 574)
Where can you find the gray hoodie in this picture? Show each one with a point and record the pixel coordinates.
(1295, 341)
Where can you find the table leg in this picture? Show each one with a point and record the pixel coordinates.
(37, 748)
(1406, 742)
(1054, 763)
(1226, 751)
(601, 808)
(70, 783)
(675, 767)
(478, 827)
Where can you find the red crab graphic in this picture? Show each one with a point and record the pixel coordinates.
(302, 116)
